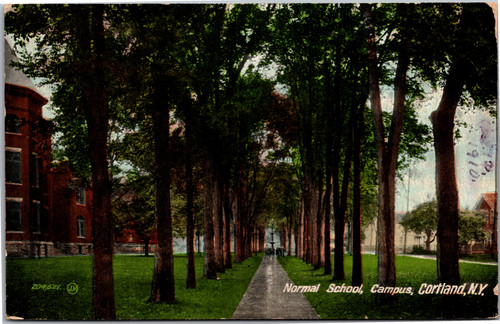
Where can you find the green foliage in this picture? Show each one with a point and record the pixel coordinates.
(72, 142)
(212, 299)
(136, 147)
(420, 250)
(411, 272)
(471, 224)
(133, 206)
(282, 202)
(453, 33)
(179, 221)
(424, 219)
(50, 42)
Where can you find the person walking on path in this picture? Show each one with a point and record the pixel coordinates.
(265, 297)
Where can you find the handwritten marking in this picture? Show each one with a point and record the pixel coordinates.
(72, 288)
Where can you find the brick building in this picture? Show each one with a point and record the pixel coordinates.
(46, 212)
(487, 205)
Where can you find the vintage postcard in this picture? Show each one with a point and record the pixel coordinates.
(257, 161)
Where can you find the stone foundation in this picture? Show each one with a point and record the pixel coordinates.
(133, 248)
(40, 249)
(45, 249)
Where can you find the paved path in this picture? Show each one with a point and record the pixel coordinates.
(433, 257)
(265, 299)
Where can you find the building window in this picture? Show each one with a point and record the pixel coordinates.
(37, 211)
(13, 215)
(35, 177)
(80, 196)
(80, 225)
(13, 166)
(12, 124)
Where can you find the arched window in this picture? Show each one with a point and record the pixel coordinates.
(80, 224)
(12, 124)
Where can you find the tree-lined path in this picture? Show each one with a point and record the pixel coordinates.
(218, 121)
(265, 299)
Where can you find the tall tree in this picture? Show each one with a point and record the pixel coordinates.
(71, 50)
(301, 71)
(156, 41)
(357, 263)
(190, 188)
(472, 67)
(228, 36)
(387, 147)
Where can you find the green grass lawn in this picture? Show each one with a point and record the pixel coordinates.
(211, 299)
(410, 272)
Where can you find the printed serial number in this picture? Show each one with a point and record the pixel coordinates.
(46, 287)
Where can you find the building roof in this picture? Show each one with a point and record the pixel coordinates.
(489, 198)
(13, 75)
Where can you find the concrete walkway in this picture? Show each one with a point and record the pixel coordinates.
(265, 299)
(433, 257)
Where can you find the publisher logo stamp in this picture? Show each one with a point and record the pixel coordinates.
(72, 288)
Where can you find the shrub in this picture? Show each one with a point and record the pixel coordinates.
(421, 250)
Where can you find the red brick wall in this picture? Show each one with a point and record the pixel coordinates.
(56, 189)
(27, 106)
(64, 208)
(59, 210)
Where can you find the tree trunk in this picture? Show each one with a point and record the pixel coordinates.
(310, 221)
(262, 234)
(190, 222)
(308, 218)
(283, 237)
(386, 257)
(210, 269)
(289, 232)
(218, 222)
(300, 231)
(296, 239)
(305, 225)
(97, 116)
(328, 224)
(247, 241)
(387, 150)
(227, 231)
(357, 264)
(338, 258)
(329, 159)
(316, 225)
(319, 233)
(146, 247)
(443, 122)
(163, 287)
(239, 215)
